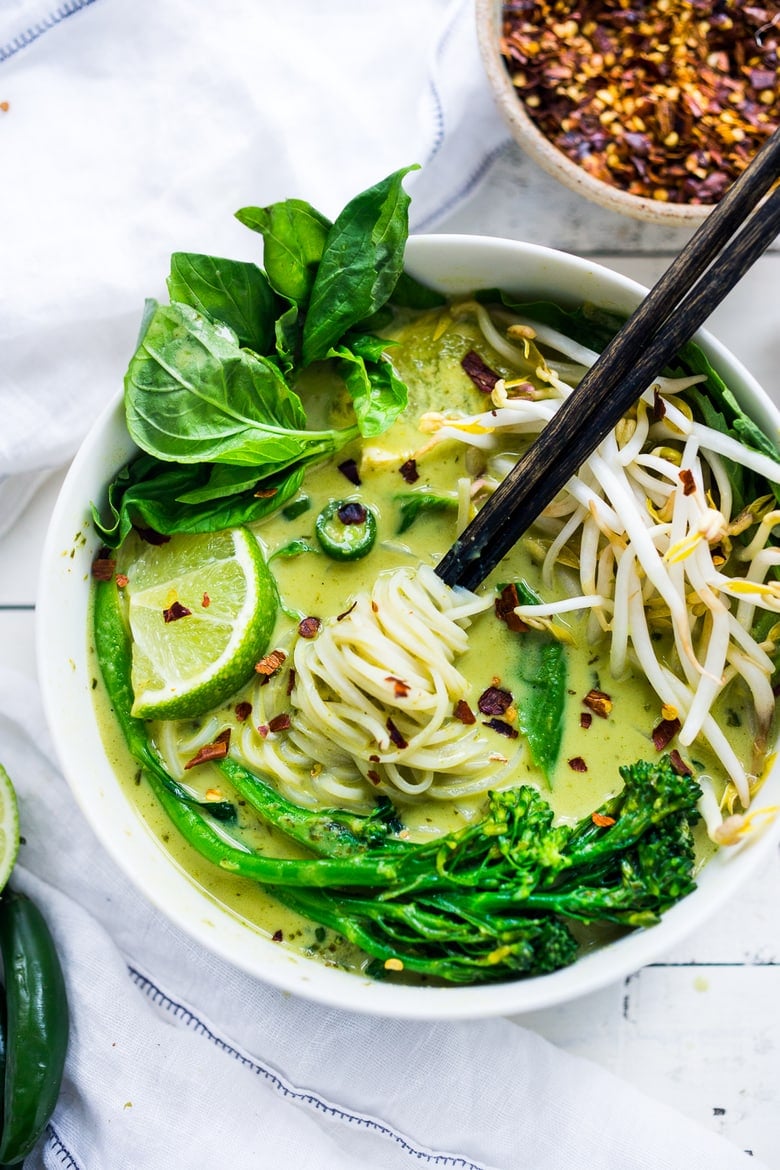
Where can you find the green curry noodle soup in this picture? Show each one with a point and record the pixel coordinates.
(463, 786)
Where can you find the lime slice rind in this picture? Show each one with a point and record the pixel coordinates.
(9, 827)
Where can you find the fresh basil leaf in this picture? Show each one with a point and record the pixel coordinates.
(231, 291)
(410, 293)
(360, 266)
(294, 235)
(295, 548)
(378, 394)
(288, 330)
(147, 493)
(193, 395)
(415, 504)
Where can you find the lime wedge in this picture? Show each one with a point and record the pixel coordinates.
(9, 827)
(201, 608)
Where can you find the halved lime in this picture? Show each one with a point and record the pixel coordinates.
(202, 608)
(9, 827)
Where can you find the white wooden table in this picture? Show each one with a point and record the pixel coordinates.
(701, 1029)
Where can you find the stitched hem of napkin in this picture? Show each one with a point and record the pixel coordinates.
(35, 31)
(305, 1097)
(60, 1150)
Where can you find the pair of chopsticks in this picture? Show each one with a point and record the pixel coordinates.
(739, 229)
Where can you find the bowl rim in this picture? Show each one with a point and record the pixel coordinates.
(66, 671)
(528, 135)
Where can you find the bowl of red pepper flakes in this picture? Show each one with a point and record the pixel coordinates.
(651, 109)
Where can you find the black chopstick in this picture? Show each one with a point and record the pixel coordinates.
(706, 270)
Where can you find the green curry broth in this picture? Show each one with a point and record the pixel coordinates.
(428, 354)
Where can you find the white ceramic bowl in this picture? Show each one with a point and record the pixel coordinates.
(528, 135)
(456, 264)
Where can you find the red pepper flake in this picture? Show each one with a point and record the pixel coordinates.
(494, 701)
(271, 663)
(686, 479)
(598, 702)
(352, 513)
(346, 612)
(103, 568)
(602, 820)
(309, 627)
(205, 601)
(395, 735)
(480, 372)
(216, 750)
(502, 727)
(262, 730)
(464, 713)
(373, 776)
(243, 711)
(577, 764)
(176, 612)
(265, 493)
(400, 688)
(585, 720)
(5, 107)
(505, 605)
(280, 723)
(121, 580)
(151, 536)
(678, 764)
(349, 469)
(277, 936)
(374, 759)
(409, 471)
(290, 681)
(659, 406)
(664, 733)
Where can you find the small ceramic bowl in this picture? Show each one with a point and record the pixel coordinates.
(527, 134)
(67, 668)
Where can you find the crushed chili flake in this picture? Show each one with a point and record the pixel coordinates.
(577, 764)
(599, 702)
(216, 750)
(265, 493)
(349, 469)
(400, 688)
(395, 735)
(480, 372)
(352, 513)
(602, 820)
(277, 936)
(151, 536)
(290, 681)
(175, 612)
(122, 579)
(505, 605)
(686, 479)
(5, 107)
(666, 101)
(205, 601)
(103, 568)
(464, 713)
(270, 663)
(309, 627)
(262, 730)
(502, 727)
(346, 612)
(659, 406)
(243, 711)
(664, 733)
(374, 776)
(374, 759)
(409, 471)
(494, 701)
(280, 723)
(585, 720)
(678, 764)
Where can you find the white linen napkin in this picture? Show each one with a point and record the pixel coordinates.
(130, 129)
(179, 1060)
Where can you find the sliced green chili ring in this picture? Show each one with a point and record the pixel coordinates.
(36, 1025)
(346, 530)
